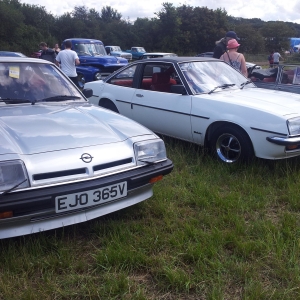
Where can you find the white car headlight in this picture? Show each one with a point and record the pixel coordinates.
(294, 126)
(98, 76)
(13, 175)
(151, 151)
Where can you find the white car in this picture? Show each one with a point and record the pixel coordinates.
(207, 102)
(63, 160)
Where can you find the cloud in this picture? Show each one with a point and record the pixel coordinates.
(268, 10)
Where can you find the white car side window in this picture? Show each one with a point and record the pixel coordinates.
(124, 78)
(159, 77)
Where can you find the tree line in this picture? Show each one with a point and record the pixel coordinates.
(184, 29)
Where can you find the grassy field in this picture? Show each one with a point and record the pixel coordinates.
(209, 232)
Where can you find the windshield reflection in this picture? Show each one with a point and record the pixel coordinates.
(90, 49)
(34, 82)
(116, 48)
(203, 77)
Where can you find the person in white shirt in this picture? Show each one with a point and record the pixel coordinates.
(276, 57)
(68, 59)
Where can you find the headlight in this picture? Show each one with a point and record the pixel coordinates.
(12, 174)
(294, 126)
(150, 151)
(98, 76)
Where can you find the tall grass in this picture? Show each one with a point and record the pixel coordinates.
(209, 232)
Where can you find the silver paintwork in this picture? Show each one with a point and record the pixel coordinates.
(35, 223)
(52, 137)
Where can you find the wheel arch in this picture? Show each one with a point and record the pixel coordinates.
(216, 125)
(108, 103)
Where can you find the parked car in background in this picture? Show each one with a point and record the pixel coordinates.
(117, 51)
(205, 54)
(136, 52)
(285, 77)
(95, 64)
(207, 102)
(156, 54)
(13, 54)
(63, 160)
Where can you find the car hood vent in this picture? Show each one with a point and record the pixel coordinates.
(44, 176)
(82, 172)
(112, 164)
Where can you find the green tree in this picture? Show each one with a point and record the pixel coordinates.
(169, 28)
(277, 35)
(251, 40)
(109, 14)
(11, 25)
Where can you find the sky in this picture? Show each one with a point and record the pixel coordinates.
(266, 10)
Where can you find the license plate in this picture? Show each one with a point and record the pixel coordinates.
(91, 197)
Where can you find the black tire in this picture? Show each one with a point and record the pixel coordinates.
(81, 80)
(231, 144)
(106, 103)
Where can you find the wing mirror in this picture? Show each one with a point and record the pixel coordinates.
(88, 93)
(178, 89)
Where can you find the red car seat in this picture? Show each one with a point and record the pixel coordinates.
(162, 82)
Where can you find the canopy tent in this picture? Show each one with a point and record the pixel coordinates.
(295, 43)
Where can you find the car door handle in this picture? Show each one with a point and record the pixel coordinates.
(140, 95)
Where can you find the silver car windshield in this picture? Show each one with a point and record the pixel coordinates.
(22, 82)
(203, 77)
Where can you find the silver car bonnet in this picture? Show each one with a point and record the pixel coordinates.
(29, 129)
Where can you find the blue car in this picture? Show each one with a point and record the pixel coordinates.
(95, 64)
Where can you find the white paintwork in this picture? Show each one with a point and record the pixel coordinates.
(188, 117)
(53, 139)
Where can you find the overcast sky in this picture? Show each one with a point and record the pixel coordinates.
(267, 10)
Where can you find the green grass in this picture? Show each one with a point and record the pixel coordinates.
(209, 232)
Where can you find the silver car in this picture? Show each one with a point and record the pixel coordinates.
(63, 160)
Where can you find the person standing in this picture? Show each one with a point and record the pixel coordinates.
(56, 49)
(276, 58)
(47, 53)
(271, 59)
(233, 58)
(68, 60)
(220, 47)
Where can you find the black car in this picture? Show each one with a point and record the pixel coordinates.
(285, 77)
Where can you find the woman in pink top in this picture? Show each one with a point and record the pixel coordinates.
(233, 58)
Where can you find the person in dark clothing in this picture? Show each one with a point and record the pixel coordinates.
(221, 45)
(271, 59)
(47, 53)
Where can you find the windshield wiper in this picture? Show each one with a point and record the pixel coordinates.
(223, 86)
(245, 83)
(17, 100)
(11, 189)
(61, 98)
